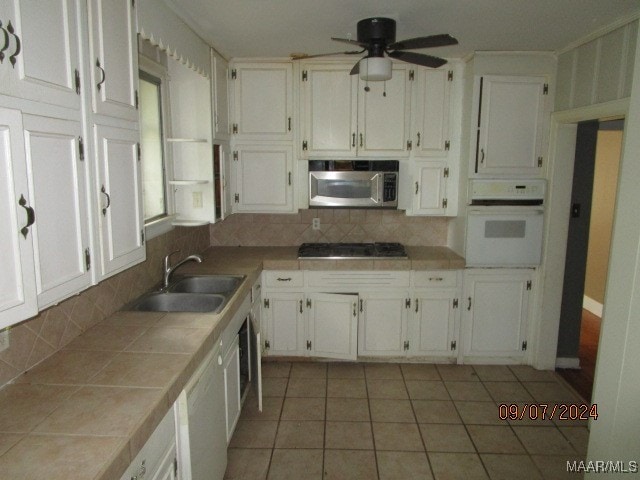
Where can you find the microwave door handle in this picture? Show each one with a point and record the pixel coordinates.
(376, 189)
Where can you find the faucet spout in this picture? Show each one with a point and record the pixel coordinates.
(168, 270)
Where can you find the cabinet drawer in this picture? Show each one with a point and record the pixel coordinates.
(356, 280)
(284, 278)
(435, 278)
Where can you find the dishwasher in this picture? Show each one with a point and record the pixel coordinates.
(202, 444)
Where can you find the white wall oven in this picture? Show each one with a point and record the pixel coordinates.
(353, 184)
(505, 223)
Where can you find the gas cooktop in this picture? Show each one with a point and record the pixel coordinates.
(351, 250)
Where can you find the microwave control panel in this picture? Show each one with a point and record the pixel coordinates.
(390, 183)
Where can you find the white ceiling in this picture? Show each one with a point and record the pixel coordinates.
(277, 28)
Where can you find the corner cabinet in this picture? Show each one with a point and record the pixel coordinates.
(264, 178)
(495, 313)
(263, 101)
(508, 138)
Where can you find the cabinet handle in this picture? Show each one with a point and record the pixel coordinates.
(289, 123)
(31, 216)
(104, 210)
(482, 155)
(436, 279)
(361, 305)
(416, 305)
(289, 178)
(288, 279)
(353, 139)
(104, 76)
(5, 45)
(361, 140)
(417, 187)
(300, 306)
(418, 142)
(469, 305)
(13, 56)
(355, 307)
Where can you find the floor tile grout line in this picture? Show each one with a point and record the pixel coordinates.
(373, 437)
(275, 437)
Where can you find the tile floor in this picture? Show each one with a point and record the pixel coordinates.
(403, 421)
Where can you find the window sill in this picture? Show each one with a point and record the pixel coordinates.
(158, 227)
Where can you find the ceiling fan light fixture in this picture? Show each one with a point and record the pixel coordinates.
(375, 69)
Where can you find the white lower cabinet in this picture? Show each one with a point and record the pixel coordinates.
(432, 327)
(157, 459)
(332, 325)
(233, 404)
(284, 316)
(495, 312)
(383, 323)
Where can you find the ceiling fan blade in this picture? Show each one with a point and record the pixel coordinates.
(418, 59)
(349, 41)
(356, 69)
(302, 56)
(424, 42)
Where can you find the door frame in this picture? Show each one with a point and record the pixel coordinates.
(558, 203)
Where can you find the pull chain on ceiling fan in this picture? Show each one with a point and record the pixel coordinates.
(377, 37)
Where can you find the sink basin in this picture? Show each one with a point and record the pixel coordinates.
(178, 302)
(206, 284)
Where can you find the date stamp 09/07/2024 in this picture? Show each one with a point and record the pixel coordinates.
(547, 411)
(561, 412)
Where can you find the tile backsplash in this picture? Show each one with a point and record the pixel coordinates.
(336, 225)
(37, 338)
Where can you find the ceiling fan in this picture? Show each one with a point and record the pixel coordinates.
(377, 37)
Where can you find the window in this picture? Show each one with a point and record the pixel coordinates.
(151, 138)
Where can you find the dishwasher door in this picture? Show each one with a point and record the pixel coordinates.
(202, 425)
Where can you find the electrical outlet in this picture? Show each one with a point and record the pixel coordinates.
(4, 339)
(315, 224)
(197, 199)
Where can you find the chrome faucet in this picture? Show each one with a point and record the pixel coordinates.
(168, 270)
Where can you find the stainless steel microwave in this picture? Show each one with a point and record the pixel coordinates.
(353, 183)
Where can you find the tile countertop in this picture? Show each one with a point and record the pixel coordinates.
(85, 412)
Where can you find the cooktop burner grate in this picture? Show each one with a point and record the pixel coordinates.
(351, 250)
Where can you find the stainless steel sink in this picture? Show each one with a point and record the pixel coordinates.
(178, 302)
(224, 284)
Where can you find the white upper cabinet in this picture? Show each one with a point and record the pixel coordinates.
(113, 58)
(263, 101)
(119, 196)
(430, 114)
(384, 113)
(57, 181)
(343, 116)
(220, 97)
(329, 108)
(264, 178)
(511, 114)
(430, 188)
(41, 60)
(17, 281)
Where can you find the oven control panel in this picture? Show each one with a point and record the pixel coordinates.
(483, 190)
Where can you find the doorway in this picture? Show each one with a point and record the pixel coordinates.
(597, 156)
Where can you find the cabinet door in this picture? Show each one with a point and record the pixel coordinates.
(119, 191)
(17, 281)
(232, 387)
(431, 113)
(57, 176)
(510, 126)
(264, 178)
(221, 125)
(255, 373)
(496, 310)
(114, 58)
(44, 48)
(383, 323)
(430, 189)
(333, 325)
(167, 468)
(329, 106)
(383, 115)
(432, 325)
(285, 323)
(263, 98)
